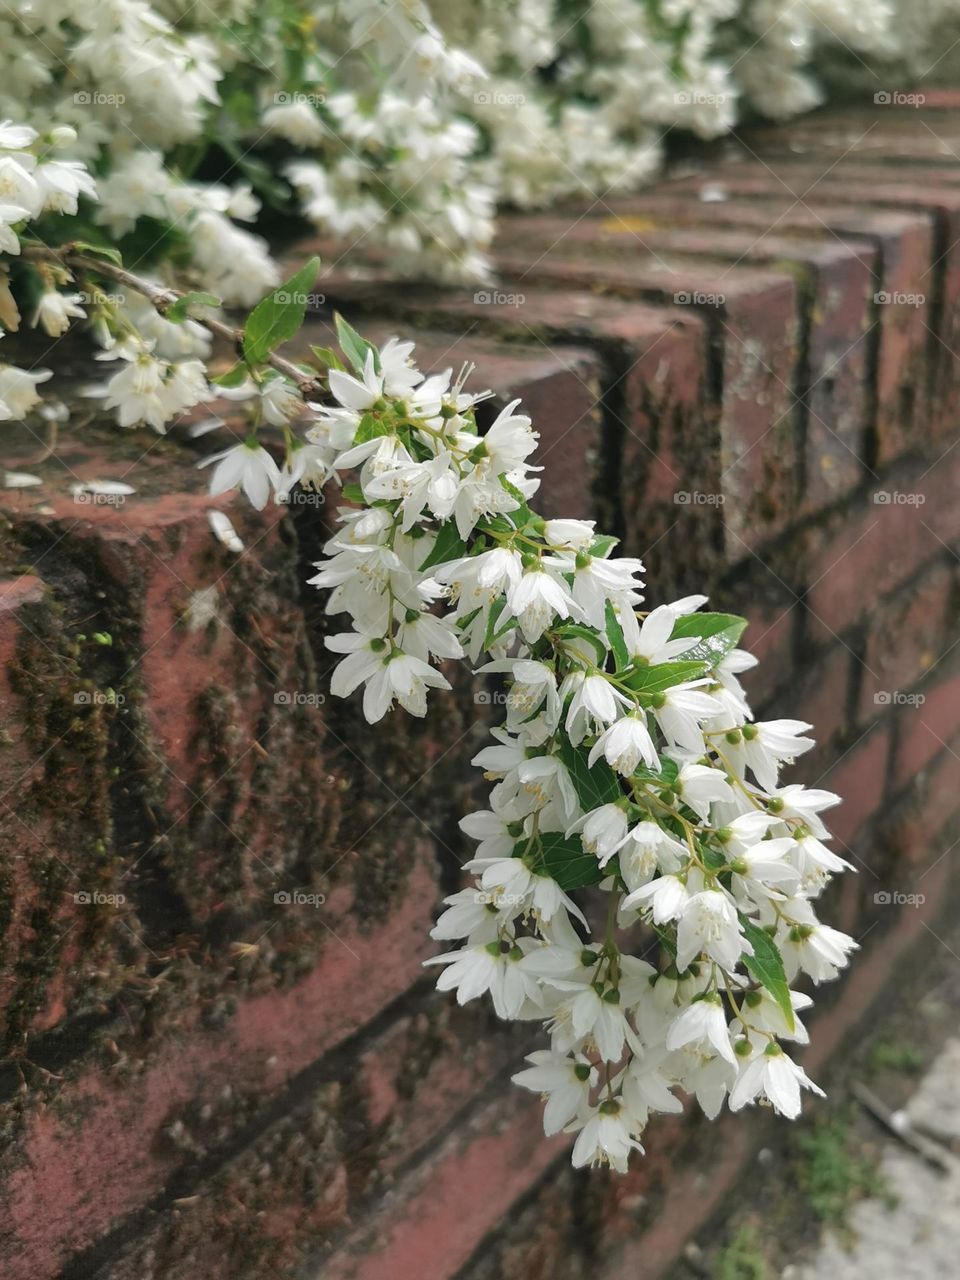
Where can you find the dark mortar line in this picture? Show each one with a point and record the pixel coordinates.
(525, 1200)
(296, 1096)
(937, 350)
(870, 428)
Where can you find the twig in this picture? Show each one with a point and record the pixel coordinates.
(163, 297)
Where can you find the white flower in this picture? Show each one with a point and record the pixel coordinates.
(703, 1020)
(405, 679)
(774, 1076)
(18, 390)
(279, 401)
(354, 394)
(683, 708)
(699, 786)
(476, 970)
(61, 182)
(564, 1081)
(55, 311)
(298, 122)
(709, 924)
(247, 466)
(18, 187)
(509, 440)
(577, 534)
(766, 745)
(603, 831)
(606, 1138)
(536, 601)
(624, 744)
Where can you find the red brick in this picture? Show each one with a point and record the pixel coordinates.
(836, 306)
(906, 635)
(101, 1152)
(443, 1210)
(874, 551)
(751, 317)
(922, 731)
(924, 830)
(901, 348)
(860, 778)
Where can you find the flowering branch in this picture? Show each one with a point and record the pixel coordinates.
(628, 760)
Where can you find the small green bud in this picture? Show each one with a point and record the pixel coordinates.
(752, 999)
(582, 1071)
(724, 835)
(775, 805)
(612, 996)
(588, 958)
(609, 1107)
(378, 645)
(739, 867)
(411, 615)
(658, 700)
(583, 560)
(772, 1050)
(742, 1048)
(750, 731)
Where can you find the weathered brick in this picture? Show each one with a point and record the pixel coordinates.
(860, 777)
(906, 635)
(924, 728)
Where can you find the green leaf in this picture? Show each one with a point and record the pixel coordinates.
(564, 859)
(615, 635)
(601, 546)
(99, 250)
(233, 377)
(279, 315)
(180, 310)
(369, 429)
(595, 786)
(328, 357)
(448, 546)
(491, 634)
(650, 680)
(712, 635)
(766, 965)
(352, 345)
(353, 493)
(522, 512)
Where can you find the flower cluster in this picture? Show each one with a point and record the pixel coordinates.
(401, 127)
(628, 761)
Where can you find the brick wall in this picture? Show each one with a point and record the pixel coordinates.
(757, 392)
